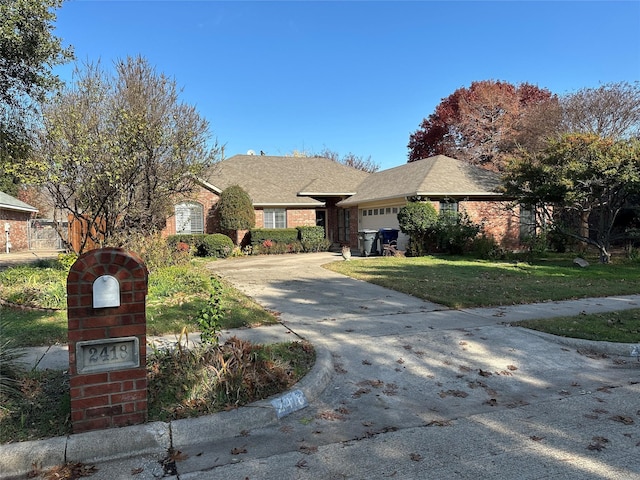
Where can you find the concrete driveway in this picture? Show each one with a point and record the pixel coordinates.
(419, 391)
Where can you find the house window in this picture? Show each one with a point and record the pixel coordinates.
(189, 218)
(275, 218)
(388, 210)
(364, 213)
(448, 208)
(527, 222)
(394, 210)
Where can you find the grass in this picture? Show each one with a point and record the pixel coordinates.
(182, 383)
(462, 282)
(622, 326)
(176, 296)
(41, 411)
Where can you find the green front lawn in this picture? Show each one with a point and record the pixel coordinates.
(464, 283)
(176, 296)
(460, 282)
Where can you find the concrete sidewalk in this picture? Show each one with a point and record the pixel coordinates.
(26, 256)
(402, 388)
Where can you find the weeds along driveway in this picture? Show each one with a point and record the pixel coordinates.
(429, 390)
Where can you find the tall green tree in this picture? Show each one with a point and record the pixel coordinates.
(28, 52)
(121, 149)
(580, 173)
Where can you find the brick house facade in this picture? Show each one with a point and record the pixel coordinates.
(15, 216)
(440, 180)
(291, 192)
(296, 191)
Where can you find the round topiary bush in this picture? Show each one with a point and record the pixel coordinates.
(215, 245)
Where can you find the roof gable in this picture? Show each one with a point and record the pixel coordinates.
(272, 180)
(437, 176)
(7, 202)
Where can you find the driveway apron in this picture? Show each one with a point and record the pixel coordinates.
(471, 391)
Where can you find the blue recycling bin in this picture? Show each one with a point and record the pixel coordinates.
(386, 236)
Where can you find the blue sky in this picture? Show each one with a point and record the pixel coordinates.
(355, 76)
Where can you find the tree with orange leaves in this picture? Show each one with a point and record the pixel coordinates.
(481, 124)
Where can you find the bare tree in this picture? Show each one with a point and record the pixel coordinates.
(351, 160)
(121, 150)
(611, 110)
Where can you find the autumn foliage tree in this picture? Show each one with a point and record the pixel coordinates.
(481, 124)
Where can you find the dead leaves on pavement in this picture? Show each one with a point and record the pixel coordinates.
(68, 471)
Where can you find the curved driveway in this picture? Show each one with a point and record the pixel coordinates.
(419, 391)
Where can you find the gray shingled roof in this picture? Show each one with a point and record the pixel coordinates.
(438, 176)
(278, 181)
(7, 202)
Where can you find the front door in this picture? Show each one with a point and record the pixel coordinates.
(321, 220)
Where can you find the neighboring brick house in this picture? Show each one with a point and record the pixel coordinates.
(448, 184)
(14, 216)
(294, 191)
(286, 192)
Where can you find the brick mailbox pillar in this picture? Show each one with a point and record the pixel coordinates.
(106, 293)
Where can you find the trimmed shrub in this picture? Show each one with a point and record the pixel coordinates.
(276, 235)
(204, 245)
(312, 239)
(235, 209)
(215, 245)
(418, 220)
(269, 247)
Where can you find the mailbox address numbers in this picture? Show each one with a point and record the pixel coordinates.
(107, 354)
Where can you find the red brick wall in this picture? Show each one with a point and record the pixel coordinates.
(18, 235)
(259, 218)
(301, 218)
(116, 397)
(353, 227)
(295, 217)
(498, 221)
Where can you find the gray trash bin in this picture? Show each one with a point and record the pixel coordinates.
(368, 242)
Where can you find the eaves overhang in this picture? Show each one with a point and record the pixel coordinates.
(405, 196)
(5, 206)
(325, 194)
(210, 186)
(289, 205)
